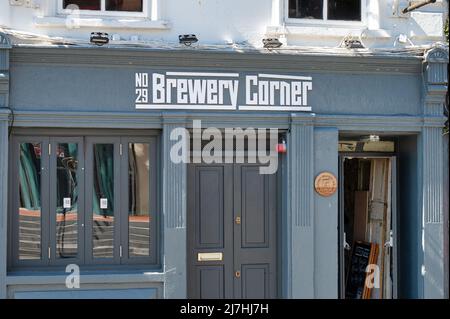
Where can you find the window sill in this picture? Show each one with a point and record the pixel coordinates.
(326, 31)
(104, 22)
(39, 278)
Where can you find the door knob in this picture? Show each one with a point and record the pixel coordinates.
(237, 274)
(238, 220)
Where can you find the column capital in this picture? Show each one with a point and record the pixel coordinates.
(435, 80)
(302, 118)
(5, 46)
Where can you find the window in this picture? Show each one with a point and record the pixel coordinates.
(84, 200)
(105, 5)
(336, 10)
(114, 8)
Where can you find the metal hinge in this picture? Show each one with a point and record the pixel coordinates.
(49, 252)
(120, 149)
(120, 251)
(49, 149)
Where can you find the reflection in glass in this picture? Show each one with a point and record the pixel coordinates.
(306, 9)
(348, 10)
(124, 5)
(82, 4)
(30, 201)
(66, 200)
(139, 202)
(103, 201)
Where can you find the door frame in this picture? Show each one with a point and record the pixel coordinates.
(394, 159)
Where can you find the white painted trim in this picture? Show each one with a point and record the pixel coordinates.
(275, 108)
(105, 22)
(222, 107)
(184, 107)
(288, 77)
(202, 74)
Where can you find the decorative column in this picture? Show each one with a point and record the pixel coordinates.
(300, 208)
(174, 212)
(5, 46)
(435, 88)
(326, 210)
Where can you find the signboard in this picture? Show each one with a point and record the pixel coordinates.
(222, 91)
(325, 184)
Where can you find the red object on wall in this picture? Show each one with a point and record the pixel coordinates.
(282, 147)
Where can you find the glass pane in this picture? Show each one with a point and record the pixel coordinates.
(139, 201)
(103, 201)
(82, 4)
(349, 10)
(306, 9)
(30, 201)
(124, 5)
(66, 200)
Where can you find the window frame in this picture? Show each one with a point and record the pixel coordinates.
(48, 226)
(54, 141)
(13, 229)
(325, 21)
(153, 195)
(145, 13)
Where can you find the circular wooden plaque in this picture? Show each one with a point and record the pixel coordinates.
(325, 184)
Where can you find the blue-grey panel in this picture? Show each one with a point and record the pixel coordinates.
(211, 282)
(65, 88)
(210, 217)
(255, 215)
(255, 281)
(134, 293)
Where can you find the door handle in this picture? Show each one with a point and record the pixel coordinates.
(237, 274)
(238, 220)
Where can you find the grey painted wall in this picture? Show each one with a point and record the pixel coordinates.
(56, 87)
(344, 92)
(326, 216)
(3, 198)
(446, 215)
(410, 220)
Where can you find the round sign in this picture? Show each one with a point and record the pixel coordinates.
(325, 184)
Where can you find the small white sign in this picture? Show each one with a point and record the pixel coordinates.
(103, 203)
(66, 202)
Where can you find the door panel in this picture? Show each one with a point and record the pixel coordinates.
(255, 197)
(256, 281)
(255, 223)
(211, 282)
(210, 230)
(209, 220)
(66, 199)
(231, 210)
(30, 207)
(102, 199)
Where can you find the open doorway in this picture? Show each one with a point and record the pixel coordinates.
(367, 227)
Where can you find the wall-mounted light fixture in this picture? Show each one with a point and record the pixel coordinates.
(281, 146)
(187, 39)
(99, 38)
(353, 44)
(272, 43)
